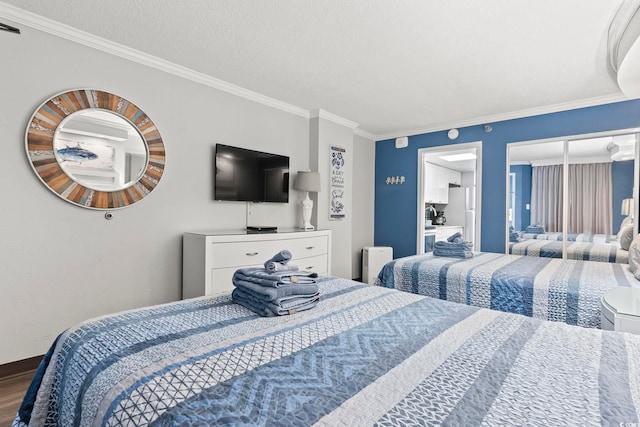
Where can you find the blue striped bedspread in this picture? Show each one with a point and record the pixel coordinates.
(571, 237)
(365, 355)
(566, 291)
(601, 252)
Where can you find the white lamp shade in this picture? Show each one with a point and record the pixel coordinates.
(627, 207)
(307, 181)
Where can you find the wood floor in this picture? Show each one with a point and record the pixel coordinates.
(12, 390)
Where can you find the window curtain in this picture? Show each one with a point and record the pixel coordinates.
(589, 198)
(546, 197)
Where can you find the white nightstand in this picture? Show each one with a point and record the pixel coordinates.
(621, 310)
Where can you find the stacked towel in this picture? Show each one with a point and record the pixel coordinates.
(535, 229)
(457, 249)
(514, 236)
(280, 262)
(455, 238)
(275, 293)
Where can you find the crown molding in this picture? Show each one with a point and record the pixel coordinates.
(333, 118)
(81, 37)
(363, 133)
(547, 109)
(319, 113)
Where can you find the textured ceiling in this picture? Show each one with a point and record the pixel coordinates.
(392, 66)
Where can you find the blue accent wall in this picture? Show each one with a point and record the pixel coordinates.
(522, 215)
(622, 183)
(396, 205)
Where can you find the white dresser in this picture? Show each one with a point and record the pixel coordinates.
(209, 259)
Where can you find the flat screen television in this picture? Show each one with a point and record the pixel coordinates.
(250, 176)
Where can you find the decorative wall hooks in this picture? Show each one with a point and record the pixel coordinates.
(395, 180)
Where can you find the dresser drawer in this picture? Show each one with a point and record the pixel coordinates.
(317, 264)
(238, 254)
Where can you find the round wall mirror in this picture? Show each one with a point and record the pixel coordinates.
(95, 149)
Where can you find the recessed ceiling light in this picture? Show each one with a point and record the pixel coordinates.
(458, 157)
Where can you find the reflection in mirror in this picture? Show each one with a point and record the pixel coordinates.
(600, 177)
(100, 150)
(95, 149)
(535, 195)
(599, 181)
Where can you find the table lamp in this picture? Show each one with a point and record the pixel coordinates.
(309, 182)
(627, 207)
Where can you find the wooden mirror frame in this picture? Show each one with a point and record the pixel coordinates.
(39, 140)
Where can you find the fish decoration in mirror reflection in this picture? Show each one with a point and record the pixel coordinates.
(75, 154)
(85, 155)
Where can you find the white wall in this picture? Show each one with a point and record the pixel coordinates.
(363, 200)
(325, 134)
(61, 263)
(468, 179)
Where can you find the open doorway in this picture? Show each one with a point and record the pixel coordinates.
(449, 194)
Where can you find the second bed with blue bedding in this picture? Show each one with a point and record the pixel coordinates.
(567, 291)
(571, 237)
(586, 251)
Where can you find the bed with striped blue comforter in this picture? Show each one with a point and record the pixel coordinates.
(571, 237)
(601, 252)
(566, 291)
(364, 355)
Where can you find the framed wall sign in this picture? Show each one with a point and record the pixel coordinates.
(337, 183)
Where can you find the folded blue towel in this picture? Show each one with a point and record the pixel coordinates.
(453, 253)
(455, 238)
(267, 293)
(273, 266)
(274, 279)
(270, 309)
(535, 228)
(282, 256)
(452, 246)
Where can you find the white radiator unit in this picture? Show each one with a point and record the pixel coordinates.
(373, 259)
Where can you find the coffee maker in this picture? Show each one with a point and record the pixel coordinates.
(429, 215)
(440, 219)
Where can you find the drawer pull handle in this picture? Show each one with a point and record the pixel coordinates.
(251, 253)
(310, 247)
(309, 267)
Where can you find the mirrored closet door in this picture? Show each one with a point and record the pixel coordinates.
(575, 189)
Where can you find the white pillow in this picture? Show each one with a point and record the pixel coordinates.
(634, 255)
(626, 237)
(626, 221)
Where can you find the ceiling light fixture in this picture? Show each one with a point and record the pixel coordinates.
(622, 147)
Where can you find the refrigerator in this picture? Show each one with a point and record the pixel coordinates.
(461, 210)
